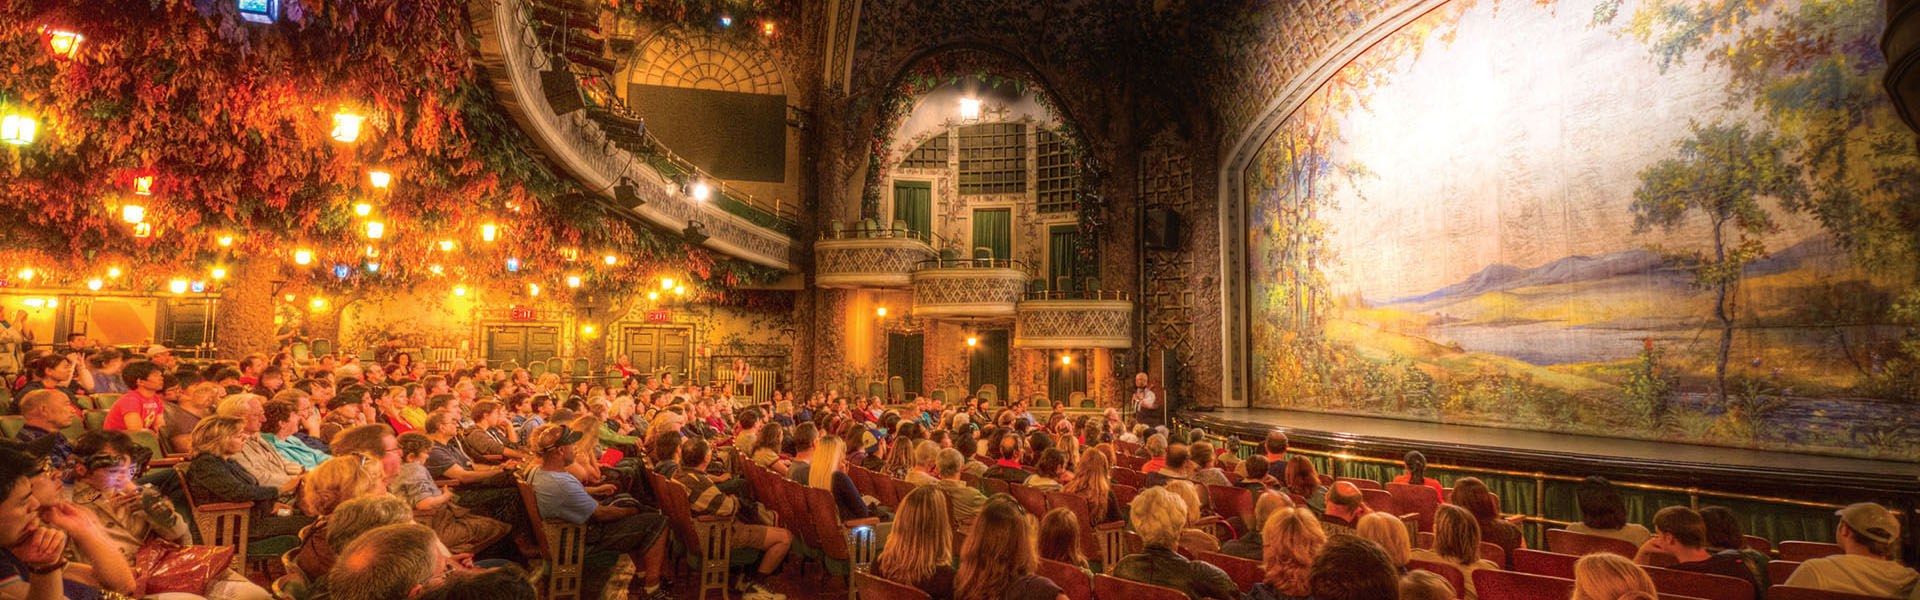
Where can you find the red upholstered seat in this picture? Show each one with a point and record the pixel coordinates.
(874, 587)
(1365, 484)
(1778, 571)
(1107, 587)
(1552, 564)
(1781, 592)
(1758, 543)
(1801, 551)
(1244, 572)
(1073, 582)
(1445, 571)
(1700, 585)
(1230, 502)
(1580, 544)
(1493, 552)
(1128, 476)
(1494, 584)
(1123, 494)
(1030, 498)
(1417, 499)
(1378, 500)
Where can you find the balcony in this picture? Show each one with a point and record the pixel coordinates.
(1085, 319)
(869, 258)
(968, 289)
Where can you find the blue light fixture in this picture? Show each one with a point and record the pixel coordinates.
(513, 264)
(726, 20)
(373, 267)
(341, 271)
(259, 11)
(199, 287)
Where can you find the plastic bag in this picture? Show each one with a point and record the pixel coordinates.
(169, 567)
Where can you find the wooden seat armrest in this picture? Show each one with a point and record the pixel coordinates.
(712, 519)
(1111, 526)
(1516, 520)
(494, 458)
(1410, 516)
(867, 522)
(223, 506)
(164, 463)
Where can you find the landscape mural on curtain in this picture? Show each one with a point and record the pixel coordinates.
(1665, 219)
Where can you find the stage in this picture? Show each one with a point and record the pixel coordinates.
(1684, 465)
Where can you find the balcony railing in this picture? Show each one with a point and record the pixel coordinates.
(1074, 319)
(869, 258)
(968, 289)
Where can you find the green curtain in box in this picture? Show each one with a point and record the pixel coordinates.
(1065, 379)
(913, 203)
(905, 358)
(989, 363)
(1063, 257)
(993, 228)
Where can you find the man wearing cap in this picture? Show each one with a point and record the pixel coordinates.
(163, 356)
(615, 529)
(1868, 535)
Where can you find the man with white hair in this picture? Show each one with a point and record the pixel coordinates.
(258, 457)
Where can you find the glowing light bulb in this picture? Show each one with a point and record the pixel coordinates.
(700, 191)
(133, 213)
(436, 269)
(178, 286)
(63, 43)
(679, 290)
(373, 267)
(346, 126)
(376, 229)
(586, 330)
(34, 303)
(114, 272)
(317, 303)
(1066, 359)
(573, 281)
(446, 245)
(379, 179)
(289, 297)
(882, 312)
(362, 209)
(610, 260)
(666, 283)
(767, 28)
(460, 290)
(303, 256)
(27, 274)
(95, 284)
(218, 273)
(143, 185)
(972, 341)
(653, 295)
(969, 108)
(533, 289)
(225, 241)
(489, 232)
(18, 129)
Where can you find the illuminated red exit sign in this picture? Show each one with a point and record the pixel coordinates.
(659, 315)
(520, 313)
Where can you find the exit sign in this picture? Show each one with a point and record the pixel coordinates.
(520, 313)
(659, 315)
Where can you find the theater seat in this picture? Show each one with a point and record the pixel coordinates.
(1700, 585)
(1449, 572)
(1108, 587)
(1580, 544)
(1779, 571)
(1494, 584)
(1781, 592)
(1801, 551)
(1536, 562)
(874, 587)
(1073, 582)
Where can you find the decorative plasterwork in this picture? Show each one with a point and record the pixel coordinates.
(868, 263)
(967, 292)
(1074, 324)
(707, 62)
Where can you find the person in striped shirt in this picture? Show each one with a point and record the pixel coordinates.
(707, 499)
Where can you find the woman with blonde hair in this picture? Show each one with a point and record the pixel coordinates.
(919, 552)
(1093, 481)
(1193, 537)
(1456, 543)
(586, 460)
(999, 558)
(1060, 538)
(824, 473)
(1160, 516)
(1390, 533)
(1293, 537)
(338, 480)
(1604, 576)
(214, 476)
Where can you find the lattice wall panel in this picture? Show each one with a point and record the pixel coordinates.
(1166, 181)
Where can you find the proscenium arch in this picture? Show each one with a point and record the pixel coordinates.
(1239, 150)
(932, 67)
(700, 60)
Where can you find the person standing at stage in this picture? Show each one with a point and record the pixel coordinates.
(1146, 405)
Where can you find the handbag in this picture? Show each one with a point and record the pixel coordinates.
(169, 567)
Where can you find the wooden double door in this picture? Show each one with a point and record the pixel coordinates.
(653, 349)
(522, 344)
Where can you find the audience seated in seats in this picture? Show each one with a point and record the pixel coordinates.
(45, 413)
(140, 408)
(492, 433)
(1092, 481)
(343, 412)
(1175, 466)
(1608, 576)
(1456, 542)
(977, 450)
(925, 469)
(487, 489)
(1350, 568)
(963, 501)
(1006, 458)
(1868, 534)
(386, 562)
(1416, 464)
(1304, 481)
(1205, 471)
(919, 552)
(1195, 539)
(999, 558)
(257, 456)
(277, 429)
(1048, 471)
(612, 527)
(666, 454)
(707, 499)
(1345, 506)
(213, 476)
(319, 544)
(1679, 532)
(179, 417)
(1469, 493)
(1390, 533)
(765, 451)
(1060, 538)
(1424, 585)
(499, 583)
(1253, 475)
(1723, 535)
(36, 537)
(1294, 538)
(1156, 448)
(463, 531)
(1161, 516)
(804, 435)
(1602, 513)
(1250, 545)
(103, 484)
(1275, 453)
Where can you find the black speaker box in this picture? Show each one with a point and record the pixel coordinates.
(1163, 229)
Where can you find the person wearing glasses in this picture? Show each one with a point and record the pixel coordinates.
(36, 537)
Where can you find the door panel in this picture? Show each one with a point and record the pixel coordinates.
(521, 343)
(651, 349)
(989, 363)
(905, 353)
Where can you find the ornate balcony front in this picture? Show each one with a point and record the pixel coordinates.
(1074, 320)
(869, 259)
(968, 289)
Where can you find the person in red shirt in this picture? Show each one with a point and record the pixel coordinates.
(1417, 473)
(142, 408)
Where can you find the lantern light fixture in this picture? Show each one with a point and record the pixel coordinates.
(18, 129)
(573, 281)
(969, 108)
(141, 230)
(610, 259)
(177, 286)
(380, 179)
(373, 267)
(376, 230)
(225, 241)
(346, 125)
(700, 191)
(653, 295)
(95, 284)
(114, 273)
(446, 245)
(362, 209)
(766, 28)
(586, 330)
(317, 303)
(533, 289)
(217, 273)
(460, 290)
(880, 312)
(63, 43)
(303, 256)
(26, 274)
(489, 232)
(259, 11)
(679, 290)
(1066, 359)
(436, 269)
(972, 341)
(143, 185)
(513, 264)
(666, 283)
(133, 213)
